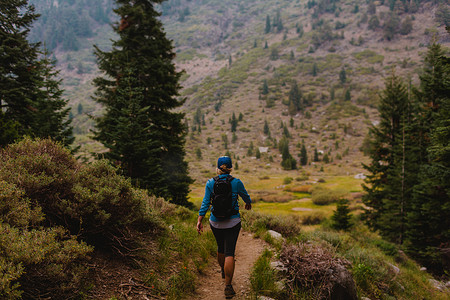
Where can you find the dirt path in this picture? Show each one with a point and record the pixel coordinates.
(211, 285)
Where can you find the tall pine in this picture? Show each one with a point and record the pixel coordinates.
(30, 98)
(143, 133)
(385, 185)
(428, 234)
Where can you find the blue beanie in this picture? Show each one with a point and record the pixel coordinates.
(224, 160)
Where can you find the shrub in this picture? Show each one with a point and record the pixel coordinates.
(287, 180)
(313, 218)
(299, 189)
(324, 196)
(45, 196)
(288, 226)
(40, 262)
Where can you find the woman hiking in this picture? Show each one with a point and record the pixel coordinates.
(222, 192)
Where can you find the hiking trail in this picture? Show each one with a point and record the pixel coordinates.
(211, 285)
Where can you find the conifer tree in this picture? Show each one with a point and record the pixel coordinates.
(266, 128)
(295, 99)
(268, 27)
(265, 88)
(316, 155)
(234, 123)
(30, 98)
(342, 217)
(139, 92)
(343, 76)
(387, 187)
(429, 225)
(51, 118)
(303, 156)
(287, 161)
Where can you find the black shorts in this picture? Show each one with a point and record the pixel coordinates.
(226, 239)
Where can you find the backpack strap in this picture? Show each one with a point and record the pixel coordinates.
(230, 178)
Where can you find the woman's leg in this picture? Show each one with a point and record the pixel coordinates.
(231, 237)
(229, 269)
(220, 240)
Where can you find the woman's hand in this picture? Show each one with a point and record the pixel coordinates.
(199, 227)
(248, 206)
(199, 224)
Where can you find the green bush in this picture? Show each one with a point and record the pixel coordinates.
(40, 262)
(51, 206)
(92, 201)
(313, 218)
(324, 196)
(288, 226)
(287, 180)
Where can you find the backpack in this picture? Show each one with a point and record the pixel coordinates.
(222, 202)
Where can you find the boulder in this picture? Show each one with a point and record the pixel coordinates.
(343, 286)
(275, 235)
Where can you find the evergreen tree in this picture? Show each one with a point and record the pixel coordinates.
(316, 155)
(387, 188)
(347, 96)
(429, 225)
(142, 132)
(234, 123)
(30, 98)
(265, 88)
(266, 128)
(268, 27)
(314, 70)
(303, 156)
(287, 161)
(295, 99)
(343, 76)
(80, 108)
(341, 217)
(250, 149)
(51, 118)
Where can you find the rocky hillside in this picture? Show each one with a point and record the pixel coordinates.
(245, 58)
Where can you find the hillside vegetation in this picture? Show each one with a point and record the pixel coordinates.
(336, 52)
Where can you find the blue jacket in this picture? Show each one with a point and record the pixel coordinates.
(237, 188)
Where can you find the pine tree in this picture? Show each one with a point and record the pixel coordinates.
(316, 155)
(342, 217)
(266, 128)
(268, 27)
(51, 119)
(303, 156)
(343, 76)
(314, 70)
(30, 98)
(295, 99)
(287, 161)
(142, 132)
(428, 220)
(386, 185)
(234, 123)
(265, 88)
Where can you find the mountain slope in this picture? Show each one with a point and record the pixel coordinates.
(336, 51)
